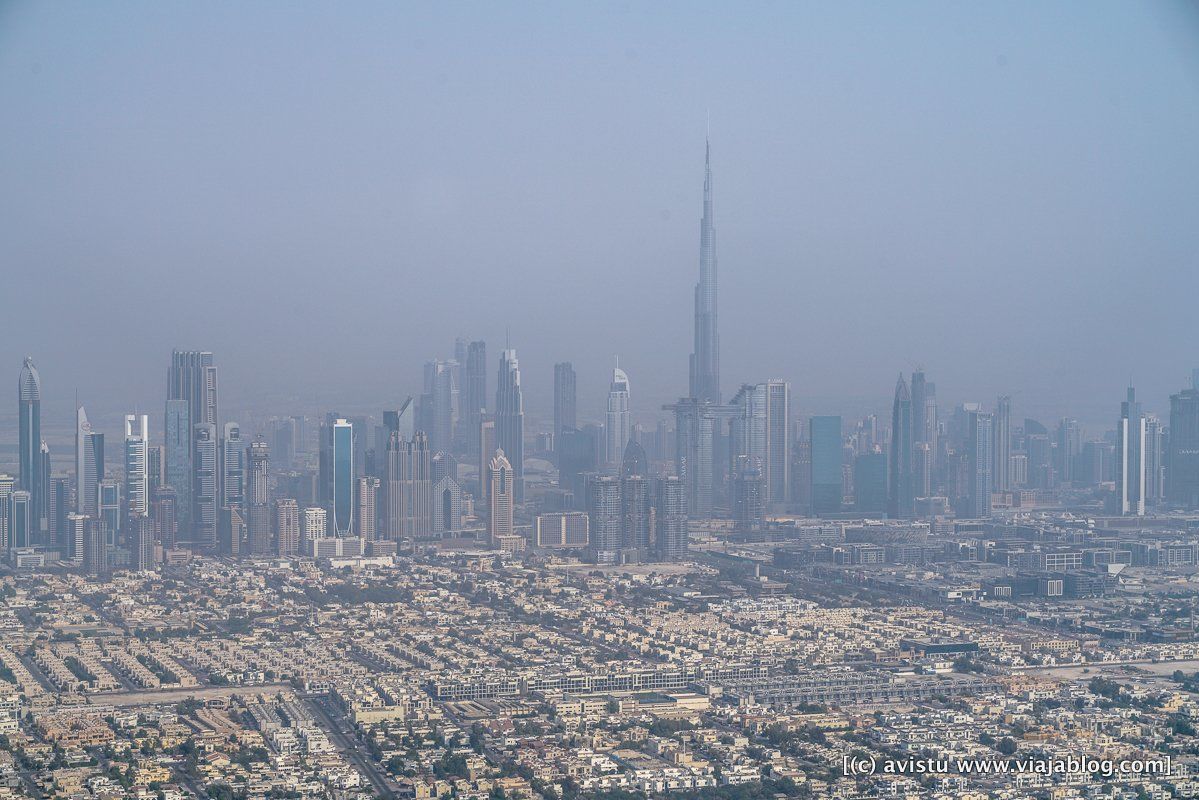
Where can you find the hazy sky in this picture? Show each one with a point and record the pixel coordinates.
(327, 194)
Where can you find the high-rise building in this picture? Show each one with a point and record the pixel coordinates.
(510, 420)
(60, 506)
(705, 359)
(1002, 447)
(95, 548)
(617, 428)
(606, 525)
(447, 506)
(900, 494)
(233, 532)
(565, 417)
(204, 486)
(365, 515)
(919, 391)
(1155, 461)
(137, 474)
(439, 404)
(1130, 457)
(141, 543)
(824, 432)
(1182, 458)
(342, 461)
(7, 486)
(697, 441)
(503, 497)
(474, 394)
(164, 510)
(870, 482)
(177, 447)
(980, 462)
(635, 515)
(233, 466)
(33, 468)
(487, 447)
(670, 519)
(760, 431)
(287, 527)
(576, 458)
(257, 498)
(109, 510)
(749, 495)
(20, 519)
(313, 525)
(1069, 448)
(407, 489)
(89, 465)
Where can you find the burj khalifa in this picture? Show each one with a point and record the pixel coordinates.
(705, 360)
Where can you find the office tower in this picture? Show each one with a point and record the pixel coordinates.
(565, 417)
(20, 519)
(33, 468)
(89, 465)
(1002, 449)
(365, 514)
(1155, 461)
(510, 420)
(109, 510)
(900, 495)
(164, 509)
(562, 530)
(761, 431)
(204, 485)
(178, 458)
(919, 392)
(234, 530)
(313, 525)
(1069, 448)
(487, 449)
(76, 537)
(617, 428)
(439, 404)
(576, 458)
(443, 464)
(870, 482)
(606, 525)
(801, 473)
(407, 488)
(95, 549)
(705, 360)
(1182, 457)
(233, 466)
(155, 460)
(980, 462)
(137, 473)
(635, 514)
(697, 442)
(59, 503)
(257, 498)
(341, 507)
(749, 495)
(474, 394)
(287, 527)
(447, 506)
(824, 432)
(502, 494)
(670, 519)
(1039, 450)
(7, 486)
(141, 543)
(1130, 457)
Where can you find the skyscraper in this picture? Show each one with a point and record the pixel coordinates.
(606, 525)
(1002, 452)
(1130, 457)
(474, 394)
(257, 498)
(760, 431)
(178, 474)
(204, 486)
(1182, 473)
(870, 482)
(407, 488)
(31, 476)
(749, 495)
(287, 527)
(233, 466)
(365, 514)
(670, 519)
(900, 486)
(503, 484)
(1155, 461)
(565, 417)
(919, 391)
(1069, 447)
(980, 462)
(137, 475)
(705, 359)
(510, 420)
(109, 510)
(486, 452)
(635, 514)
(439, 404)
(89, 465)
(697, 424)
(824, 432)
(617, 429)
(341, 512)
(192, 382)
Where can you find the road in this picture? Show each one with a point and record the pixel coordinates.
(350, 747)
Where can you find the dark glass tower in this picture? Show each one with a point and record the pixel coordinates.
(29, 392)
(510, 420)
(564, 398)
(705, 360)
(899, 488)
(1182, 471)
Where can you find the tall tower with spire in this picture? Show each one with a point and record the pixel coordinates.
(705, 360)
(29, 391)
